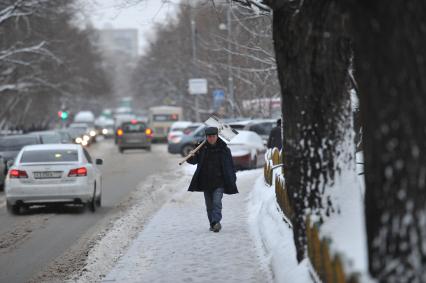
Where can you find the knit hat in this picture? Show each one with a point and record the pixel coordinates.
(211, 131)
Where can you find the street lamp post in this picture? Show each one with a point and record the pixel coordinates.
(194, 62)
(230, 77)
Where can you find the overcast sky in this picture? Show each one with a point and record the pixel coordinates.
(121, 14)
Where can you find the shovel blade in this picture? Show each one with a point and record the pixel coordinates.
(225, 131)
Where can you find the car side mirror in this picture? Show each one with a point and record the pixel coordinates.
(99, 162)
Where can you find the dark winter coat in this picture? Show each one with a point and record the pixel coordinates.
(275, 139)
(227, 170)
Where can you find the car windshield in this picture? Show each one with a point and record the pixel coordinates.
(165, 117)
(49, 155)
(16, 143)
(134, 127)
(190, 129)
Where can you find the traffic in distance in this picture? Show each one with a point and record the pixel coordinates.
(52, 166)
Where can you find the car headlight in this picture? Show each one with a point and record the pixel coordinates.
(105, 131)
(78, 140)
(86, 138)
(92, 133)
(84, 143)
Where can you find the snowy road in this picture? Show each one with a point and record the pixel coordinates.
(50, 243)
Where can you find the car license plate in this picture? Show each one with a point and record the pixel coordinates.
(48, 175)
(133, 141)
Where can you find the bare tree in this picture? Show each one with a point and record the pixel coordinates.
(43, 54)
(163, 72)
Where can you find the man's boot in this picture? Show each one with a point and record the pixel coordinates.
(217, 227)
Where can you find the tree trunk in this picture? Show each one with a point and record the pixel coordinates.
(313, 57)
(390, 64)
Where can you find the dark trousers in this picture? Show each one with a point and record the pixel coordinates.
(214, 205)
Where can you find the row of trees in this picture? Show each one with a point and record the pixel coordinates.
(236, 46)
(46, 61)
(318, 45)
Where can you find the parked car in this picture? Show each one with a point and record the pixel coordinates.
(9, 149)
(191, 128)
(134, 134)
(175, 135)
(186, 143)
(52, 174)
(239, 124)
(176, 129)
(247, 150)
(262, 127)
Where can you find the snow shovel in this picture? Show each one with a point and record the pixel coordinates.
(225, 131)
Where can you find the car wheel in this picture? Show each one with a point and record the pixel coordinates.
(186, 150)
(13, 209)
(99, 201)
(148, 148)
(121, 150)
(92, 202)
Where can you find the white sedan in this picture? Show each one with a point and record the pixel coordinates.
(247, 150)
(53, 173)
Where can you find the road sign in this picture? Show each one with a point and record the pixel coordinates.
(218, 94)
(197, 86)
(218, 98)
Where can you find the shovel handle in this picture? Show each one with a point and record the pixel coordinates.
(192, 152)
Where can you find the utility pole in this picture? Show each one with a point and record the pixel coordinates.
(230, 77)
(194, 60)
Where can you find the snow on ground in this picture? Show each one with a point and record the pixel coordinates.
(255, 244)
(274, 238)
(149, 197)
(177, 246)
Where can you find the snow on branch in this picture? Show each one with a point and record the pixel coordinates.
(20, 8)
(38, 49)
(255, 4)
(15, 87)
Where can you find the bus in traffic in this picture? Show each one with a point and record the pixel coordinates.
(161, 118)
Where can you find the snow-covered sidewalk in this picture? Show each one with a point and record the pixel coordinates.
(177, 246)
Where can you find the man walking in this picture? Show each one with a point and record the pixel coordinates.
(215, 175)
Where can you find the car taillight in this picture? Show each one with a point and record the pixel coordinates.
(148, 132)
(119, 132)
(78, 172)
(17, 174)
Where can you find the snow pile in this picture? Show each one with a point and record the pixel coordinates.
(273, 236)
(346, 229)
